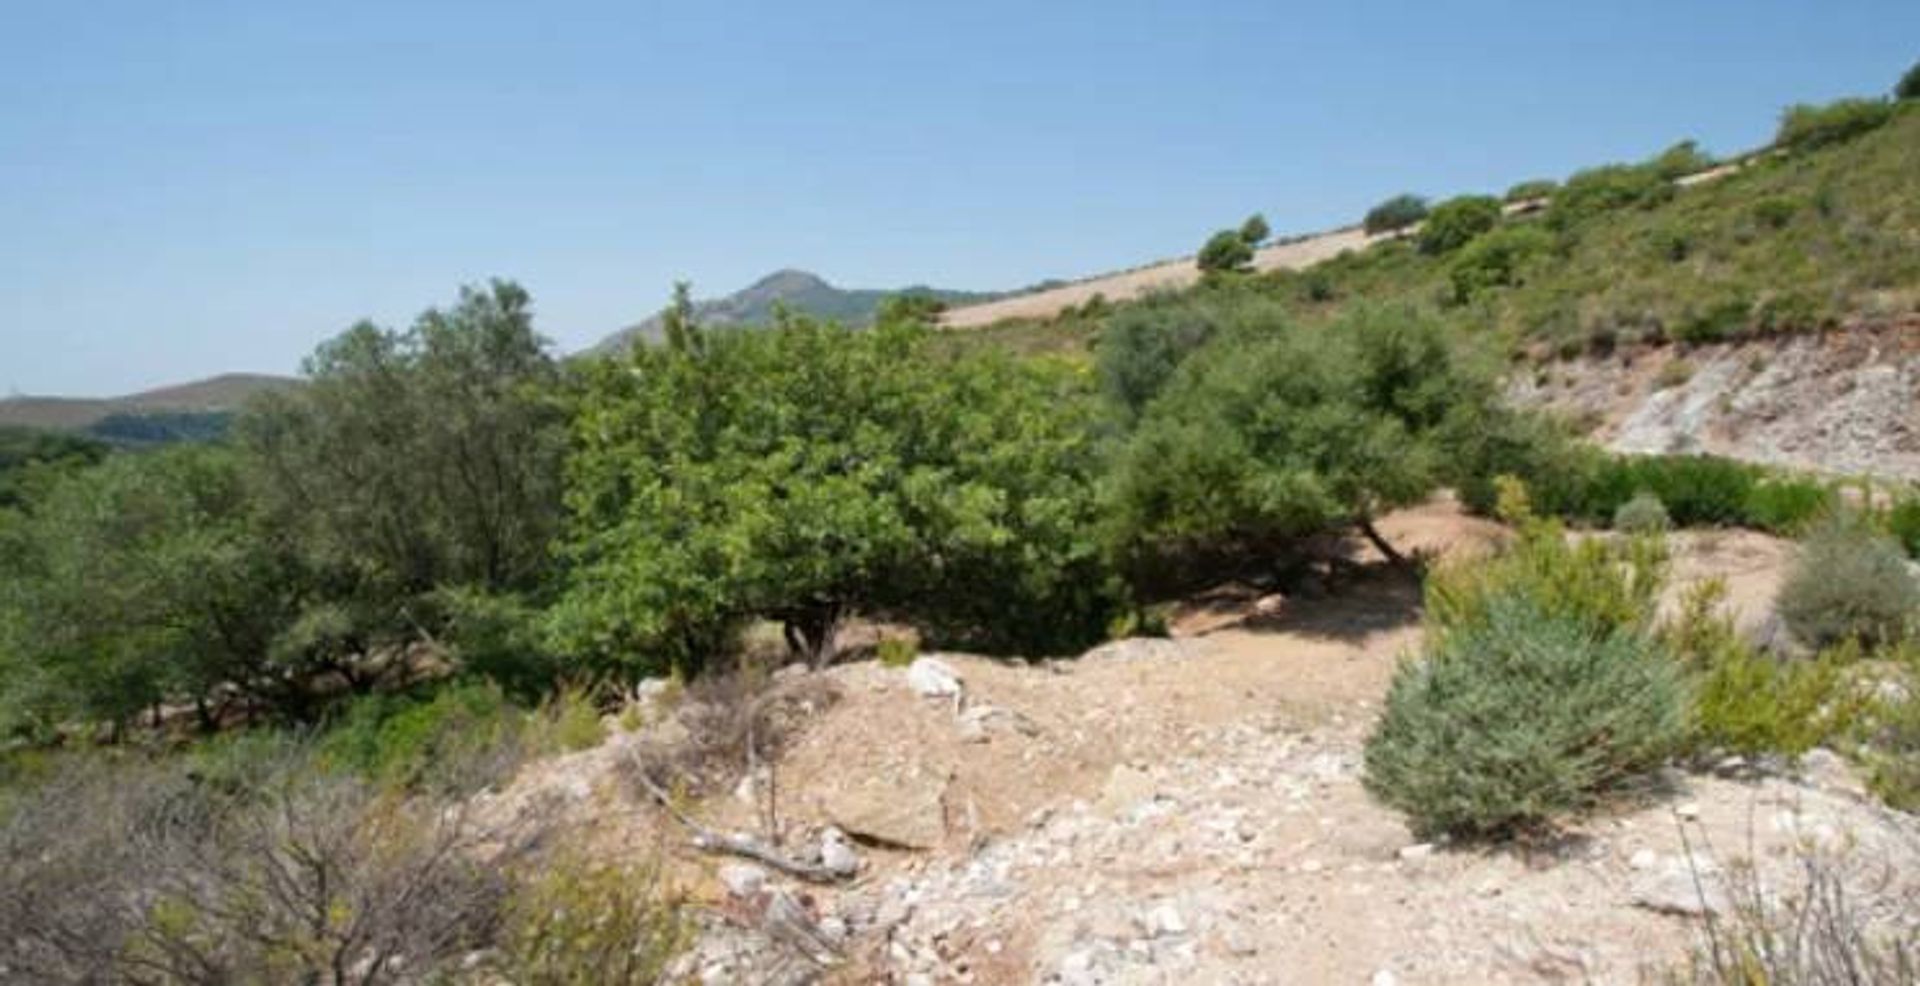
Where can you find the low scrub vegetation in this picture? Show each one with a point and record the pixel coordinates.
(1850, 584)
(1805, 127)
(1538, 693)
(1395, 214)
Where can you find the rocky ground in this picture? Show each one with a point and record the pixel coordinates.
(1191, 810)
(1841, 402)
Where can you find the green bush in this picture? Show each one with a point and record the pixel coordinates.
(1909, 85)
(567, 722)
(1680, 160)
(1395, 214)
(1226, 252)
(1746, 702)
(1850, 583)
(1697, 490)
(896, 652)
(1496, 260)
(1521, 717)
(1604, 189)
(1805, 127)
(1608, 587)
(572, 921)
(1903, 522)
(1786, 505)
(1644, 514)
(1775, 211)
(1456, 222)
(410, 741)
(1255, 230)
(1893, 739)
(1537, 188)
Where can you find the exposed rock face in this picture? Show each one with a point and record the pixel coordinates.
(1846, 402)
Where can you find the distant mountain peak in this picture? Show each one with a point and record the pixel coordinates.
(802, 291)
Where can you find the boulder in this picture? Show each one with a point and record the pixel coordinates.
(930, 677)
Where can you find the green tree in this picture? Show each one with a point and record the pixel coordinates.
(1805, 127)
(806, 471)
(1255, 230)
(1262, 438)
(1226, 252)
(146, 579)
(1456, 222)
(1909, 85)
(1395, 214)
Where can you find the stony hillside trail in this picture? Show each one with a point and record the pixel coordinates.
(1191, 810)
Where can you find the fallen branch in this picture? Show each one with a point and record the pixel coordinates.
(727, 843)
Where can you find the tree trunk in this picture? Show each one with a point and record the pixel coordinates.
(1373, 535)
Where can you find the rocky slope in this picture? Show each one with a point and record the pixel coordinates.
(1841, 402)
(1192, 811)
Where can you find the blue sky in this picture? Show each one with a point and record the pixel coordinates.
(188, 188)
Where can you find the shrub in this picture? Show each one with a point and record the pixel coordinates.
(1644, 514)
(1394, 214)
(1893, 742)
(1747, 702)
(1775, 211)
(1226, 252)
(1456, 222)
(141, 873)
(1674, 373)
(1697, 490)
(896, 652)
(1518, 718)
(410, 741)
(575, 921)
(1903, 522)
(1608, 587)
(1909, 85)
(567, 722)
(1804, 127)
(1850, 583)
(1786, 505)
(1713, 320)
(1680, 160)
(1537, 188)
(1496, 260)
(1606, 188)
(1255, 230)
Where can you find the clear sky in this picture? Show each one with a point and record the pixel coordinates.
(188, 188)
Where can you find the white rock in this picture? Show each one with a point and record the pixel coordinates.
(931, 677)
(743, 879)
(837, 854)
(1384, 977)
(1676, 889)
(1643, 859)
(1690, 810)
(1166, 920)
(1416, 852)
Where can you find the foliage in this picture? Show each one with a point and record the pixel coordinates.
(1255, 230)
(1456, 222)
(1893, 739)
(1518, 717)
(148, 873)
(1498, 259)
(1804, 127)
(1903, 522)
(1644, 514)
(1536, 188)
(1850, 583)
(1226, 251)
(144, 579)
(1680, 160)
(567, 722)
(1265, 437)
(1144, 344)
(1394, 214)
(806, 471)
(1787, 504)
(150, 428)
(27, 455)
(575, 921)
(896, 652)
(1590, 193)
(1909, 85)
(412, 741)
(1605, 586)
(1746, 702)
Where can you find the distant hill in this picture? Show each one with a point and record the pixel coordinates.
(211, 396)
(805, 293)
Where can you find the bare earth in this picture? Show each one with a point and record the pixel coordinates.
(1191, 811)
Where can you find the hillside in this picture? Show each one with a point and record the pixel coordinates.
(804, 293)
(225, 392)
(1791, 241)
